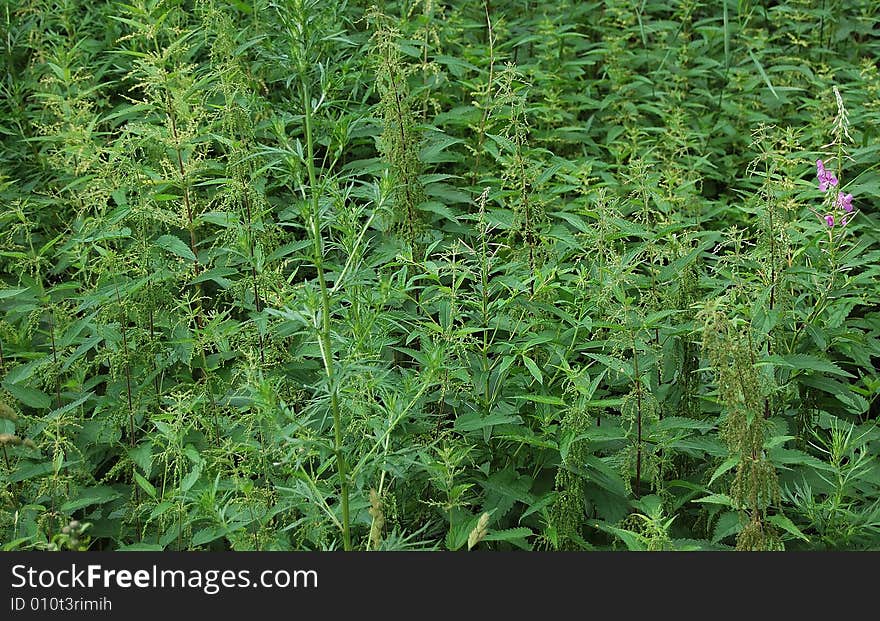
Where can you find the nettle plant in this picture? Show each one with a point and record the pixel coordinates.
(289, 274)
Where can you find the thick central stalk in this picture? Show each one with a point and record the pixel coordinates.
(324, 324)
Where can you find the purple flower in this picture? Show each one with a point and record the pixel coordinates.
(826, 177)
(844, 202)
(829, 220)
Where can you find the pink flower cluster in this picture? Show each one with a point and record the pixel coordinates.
(826, 177)
(844, 201)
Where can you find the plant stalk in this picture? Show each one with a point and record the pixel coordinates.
(324, 326)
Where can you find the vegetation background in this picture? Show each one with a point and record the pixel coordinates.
(557, 274)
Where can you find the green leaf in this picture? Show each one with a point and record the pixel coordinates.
(788, 526)
(176, 247)
(805, 362)
(533, 369)
(793, 457)
(145, 485)
(763, 73)
(91, 496)
(545, 501)
(31, 397)
(140, 547)
(190, 479)
(546, 399)
(726, 465)
(8, 293)
(509, 534)
(728, 524)
(142, 456)
(472, 421)
(632, 541)
(68, 407)
(207, 535)
(716, 499)
(31, 471)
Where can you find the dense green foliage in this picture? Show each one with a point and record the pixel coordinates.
(296, 274)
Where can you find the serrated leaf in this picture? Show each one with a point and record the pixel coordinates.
(190, 479)
(805, 362)
(145, 485)
(68, 407)
(546, 399)
(788, 526)
(545, 501)
(508, 534)
(175, 246)
(91, 496)
(716, 499)
(472, 421)
(8, 293)
(31, 397)
(726, 465)
(140, 547)
(728, 524)
(207, 535)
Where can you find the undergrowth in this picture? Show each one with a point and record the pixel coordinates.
(290, 274)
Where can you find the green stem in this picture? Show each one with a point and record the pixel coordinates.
(324, 328)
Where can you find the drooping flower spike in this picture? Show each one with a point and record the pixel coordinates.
(826, 177)
(844, 201)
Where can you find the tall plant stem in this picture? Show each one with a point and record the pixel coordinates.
(481, 133)
(324, 324)
(639, 418)
(190, 216)
(258, 303)
(127, 366)
(484, 299)
(55, 359)
(156, 380)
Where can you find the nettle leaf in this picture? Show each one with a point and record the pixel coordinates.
(794, 457)
(140, 547)
(498, 274)
(12, 292)
(853, 402)
(144, 485)
(175, 246)
(88, 497)
(461, 528)
(788, 526)
(726, 465)
(804, 362)
(190, 479)
(30, 397)
(68, 407)
(545, 399)
(142, 456)
(514, 535)
(716, 499)
(474, 421)
(505, 488)
(633, 541)
(207, 535)
(728, 524)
